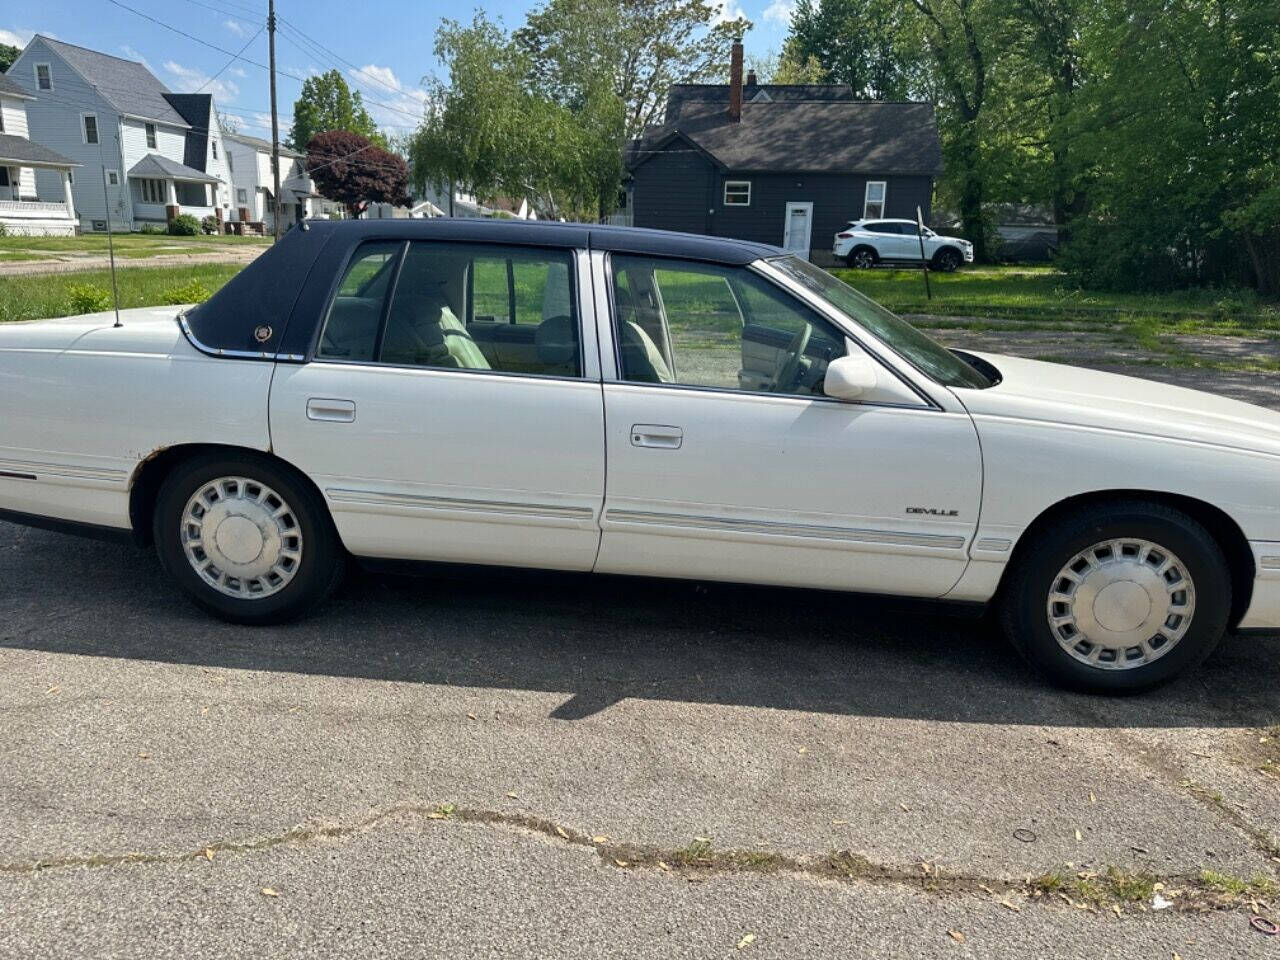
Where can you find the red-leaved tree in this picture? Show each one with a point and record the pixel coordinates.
(356, 172)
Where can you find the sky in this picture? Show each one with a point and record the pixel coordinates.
(383, 47)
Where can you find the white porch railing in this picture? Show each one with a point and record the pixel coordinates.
(32, 209)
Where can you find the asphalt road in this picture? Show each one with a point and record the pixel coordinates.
(312, 761)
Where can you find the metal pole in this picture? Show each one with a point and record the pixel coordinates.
(275, 121)
(111, 247)
(923, 262)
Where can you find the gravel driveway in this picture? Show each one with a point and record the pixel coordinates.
(560, 766)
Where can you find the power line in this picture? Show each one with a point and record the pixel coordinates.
(234, 58)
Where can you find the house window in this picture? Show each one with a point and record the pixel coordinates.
(4, 176)
(151, 136)
(113, 178)
(71, 177)
(242, 197)
(90, 127)
(214, 144)
(231, 163)
(44, 79)
(737, 193)
(1, 121)
(873, 205)
(152, 191)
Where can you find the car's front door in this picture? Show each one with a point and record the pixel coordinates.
(727, 461)
(428, 444)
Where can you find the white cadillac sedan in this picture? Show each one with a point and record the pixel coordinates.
(636, 402)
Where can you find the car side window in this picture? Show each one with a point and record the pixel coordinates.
(727, 328)
(351, 326)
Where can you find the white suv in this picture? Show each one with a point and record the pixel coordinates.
(864, 243)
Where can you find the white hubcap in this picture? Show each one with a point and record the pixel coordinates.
(1121, 604)
(241, 537)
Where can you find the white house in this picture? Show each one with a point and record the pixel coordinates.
(252, 184)
(23, 208)
(159, 153)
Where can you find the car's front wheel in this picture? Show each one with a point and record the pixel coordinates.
(947, 261)
(1118, 598)
(246, 539)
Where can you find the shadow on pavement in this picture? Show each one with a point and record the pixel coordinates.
(600, 640)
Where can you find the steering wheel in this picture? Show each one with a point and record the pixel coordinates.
(788, 370)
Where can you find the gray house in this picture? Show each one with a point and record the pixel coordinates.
(159, 153)
(787, 165)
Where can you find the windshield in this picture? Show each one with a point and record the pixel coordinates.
(928, 356)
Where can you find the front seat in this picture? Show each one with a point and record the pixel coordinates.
(423, 331)
(641, 359)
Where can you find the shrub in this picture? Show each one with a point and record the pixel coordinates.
(184, 225)
(86, 298)
(152, 229)
(4, 231)
(193, 291)
(209, 224)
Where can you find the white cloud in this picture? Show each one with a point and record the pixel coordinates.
(16, 37)
(133, 54)
(190, 80)
(729, 10)
(262, 122)
(235, 120)
(237, 72)
(401, 106)
(236, 27)
(780, 12)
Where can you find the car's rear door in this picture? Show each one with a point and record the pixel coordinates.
(430, 445)
(724, 467)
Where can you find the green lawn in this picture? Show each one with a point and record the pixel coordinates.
(1041, 296)
(129, 245)
(51, 295)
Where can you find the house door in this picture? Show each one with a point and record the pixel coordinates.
(798, 229)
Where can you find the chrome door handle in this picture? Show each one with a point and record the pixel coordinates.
(656, 435)
(334, 411)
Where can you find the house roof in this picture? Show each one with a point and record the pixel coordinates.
(154, 165)
(264, 145)
(10, 88)
(128, 86)
(196, 109)
(793, 135)
(20, 150)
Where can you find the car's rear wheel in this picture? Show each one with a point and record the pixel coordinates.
(862, 258)
(947, 261)
(246, 538)
(1118, 598)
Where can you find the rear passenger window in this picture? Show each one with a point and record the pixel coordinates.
(458, 306)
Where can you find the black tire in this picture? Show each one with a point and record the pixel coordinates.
(947, 260)
(1024, 605)
(862, 258)
(322, 558)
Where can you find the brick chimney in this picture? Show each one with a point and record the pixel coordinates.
(735, 83)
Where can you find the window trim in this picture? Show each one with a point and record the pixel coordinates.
(84, 130)
(571, 255)
(149, 133)
(48, 69)
(113, 173)
(883, 201)
(841, 324)
(739, 184)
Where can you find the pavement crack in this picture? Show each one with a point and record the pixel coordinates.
(700, 860)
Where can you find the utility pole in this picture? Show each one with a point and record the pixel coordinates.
(275, 120)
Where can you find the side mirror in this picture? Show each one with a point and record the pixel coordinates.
(851, 377)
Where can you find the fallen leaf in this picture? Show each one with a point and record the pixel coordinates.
(53, 689)
(840, 823)
(1010, 906)
(662, 865)
(268, 892)
(204, 711)
(1115, 908)
(471, 716)
(1158, 902)
(803, 750)
(1078, 836)
(1176, 956)
(904, 808)
(956, 935)
(563, 833)
(512, 795)
(600, 839)
(144, 756)
(294, 709)
(620, 863)
(435, 815)
(746, 941)
(208, 853)
(1092, 798)
(702, 839)
(985, 889)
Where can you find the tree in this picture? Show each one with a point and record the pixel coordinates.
(785, 68)
(855, 42)
(327, 103)
(497, 131)
(8, 54)
(635, 48)
(227, 124)
(355, 171)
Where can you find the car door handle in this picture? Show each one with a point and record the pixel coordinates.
(334, 411)
(656, 435)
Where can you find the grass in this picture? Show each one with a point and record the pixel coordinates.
(49, 295)
(130, 245)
